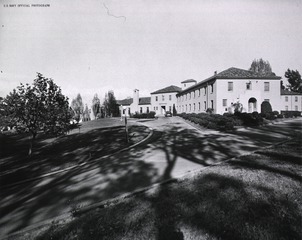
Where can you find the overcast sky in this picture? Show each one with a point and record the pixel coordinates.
(92, 46)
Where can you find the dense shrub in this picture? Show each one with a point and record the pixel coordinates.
(276, 113)
(210, 110)
(227, 114)
(144, 115)
(290, 114)
(211, 121)
(270, 116)
(250, 119)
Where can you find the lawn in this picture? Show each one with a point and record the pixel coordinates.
(93, 140)
(256, 196)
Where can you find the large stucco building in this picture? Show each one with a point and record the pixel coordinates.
(220, 93)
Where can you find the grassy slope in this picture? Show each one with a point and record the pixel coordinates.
(95, 139)
(257, 196)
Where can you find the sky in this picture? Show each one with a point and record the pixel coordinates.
(93, 46)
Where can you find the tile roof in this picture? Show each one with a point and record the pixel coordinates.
(144, 101)
(238, 73)
(287, 92)
(188, 81)
(169, 89)
(129, 101)
(125, 102)
(233, 73)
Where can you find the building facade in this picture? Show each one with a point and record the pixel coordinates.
(164, 100)
(219, 94)
(291, 101)
(221, 91)
(134, 105)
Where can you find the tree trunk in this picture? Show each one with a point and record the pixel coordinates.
(31, 143)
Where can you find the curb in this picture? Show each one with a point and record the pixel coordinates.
(80, 164)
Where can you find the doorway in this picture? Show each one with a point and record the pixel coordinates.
(252, 105)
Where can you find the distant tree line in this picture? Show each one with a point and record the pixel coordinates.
(109, 107)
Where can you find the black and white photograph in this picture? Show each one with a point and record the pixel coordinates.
(150, 119)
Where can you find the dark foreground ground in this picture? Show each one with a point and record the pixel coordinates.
(93, 140)
(256, 196)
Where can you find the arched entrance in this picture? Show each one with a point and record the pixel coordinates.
(252, 105)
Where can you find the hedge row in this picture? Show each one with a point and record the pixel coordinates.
(290, 114)
(143, 115)
(225, 122)
(211, 121)
(228, 121)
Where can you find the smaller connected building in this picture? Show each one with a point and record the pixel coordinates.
(291, 101)
(164, 99)
(136, 104)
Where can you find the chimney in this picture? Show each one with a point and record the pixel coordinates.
(135, 100)
(215, 73)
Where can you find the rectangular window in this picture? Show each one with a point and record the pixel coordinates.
(205, 90)
(194, 107)
(266, 86)
(141, 110)
(230, 86)
(212, 104)
(199, 106)
(198, 92)
(147, 109)
(224, 102)
(170, 97)
(296, 108)
(286, 99)
(286, 108)
(212, 88)
(163, 97)
(205, 105)
(296, 99)
(193, 94)
(249, 86)
(156, 98)
(170, 108)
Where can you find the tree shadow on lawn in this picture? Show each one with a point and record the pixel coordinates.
(126, 172)
(59, 153)
(230, 204)
(43, 199)
(268, 134)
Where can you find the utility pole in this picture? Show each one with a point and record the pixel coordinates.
(122, 109)
(126, 129)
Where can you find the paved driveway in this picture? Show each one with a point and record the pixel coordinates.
(175, 148)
